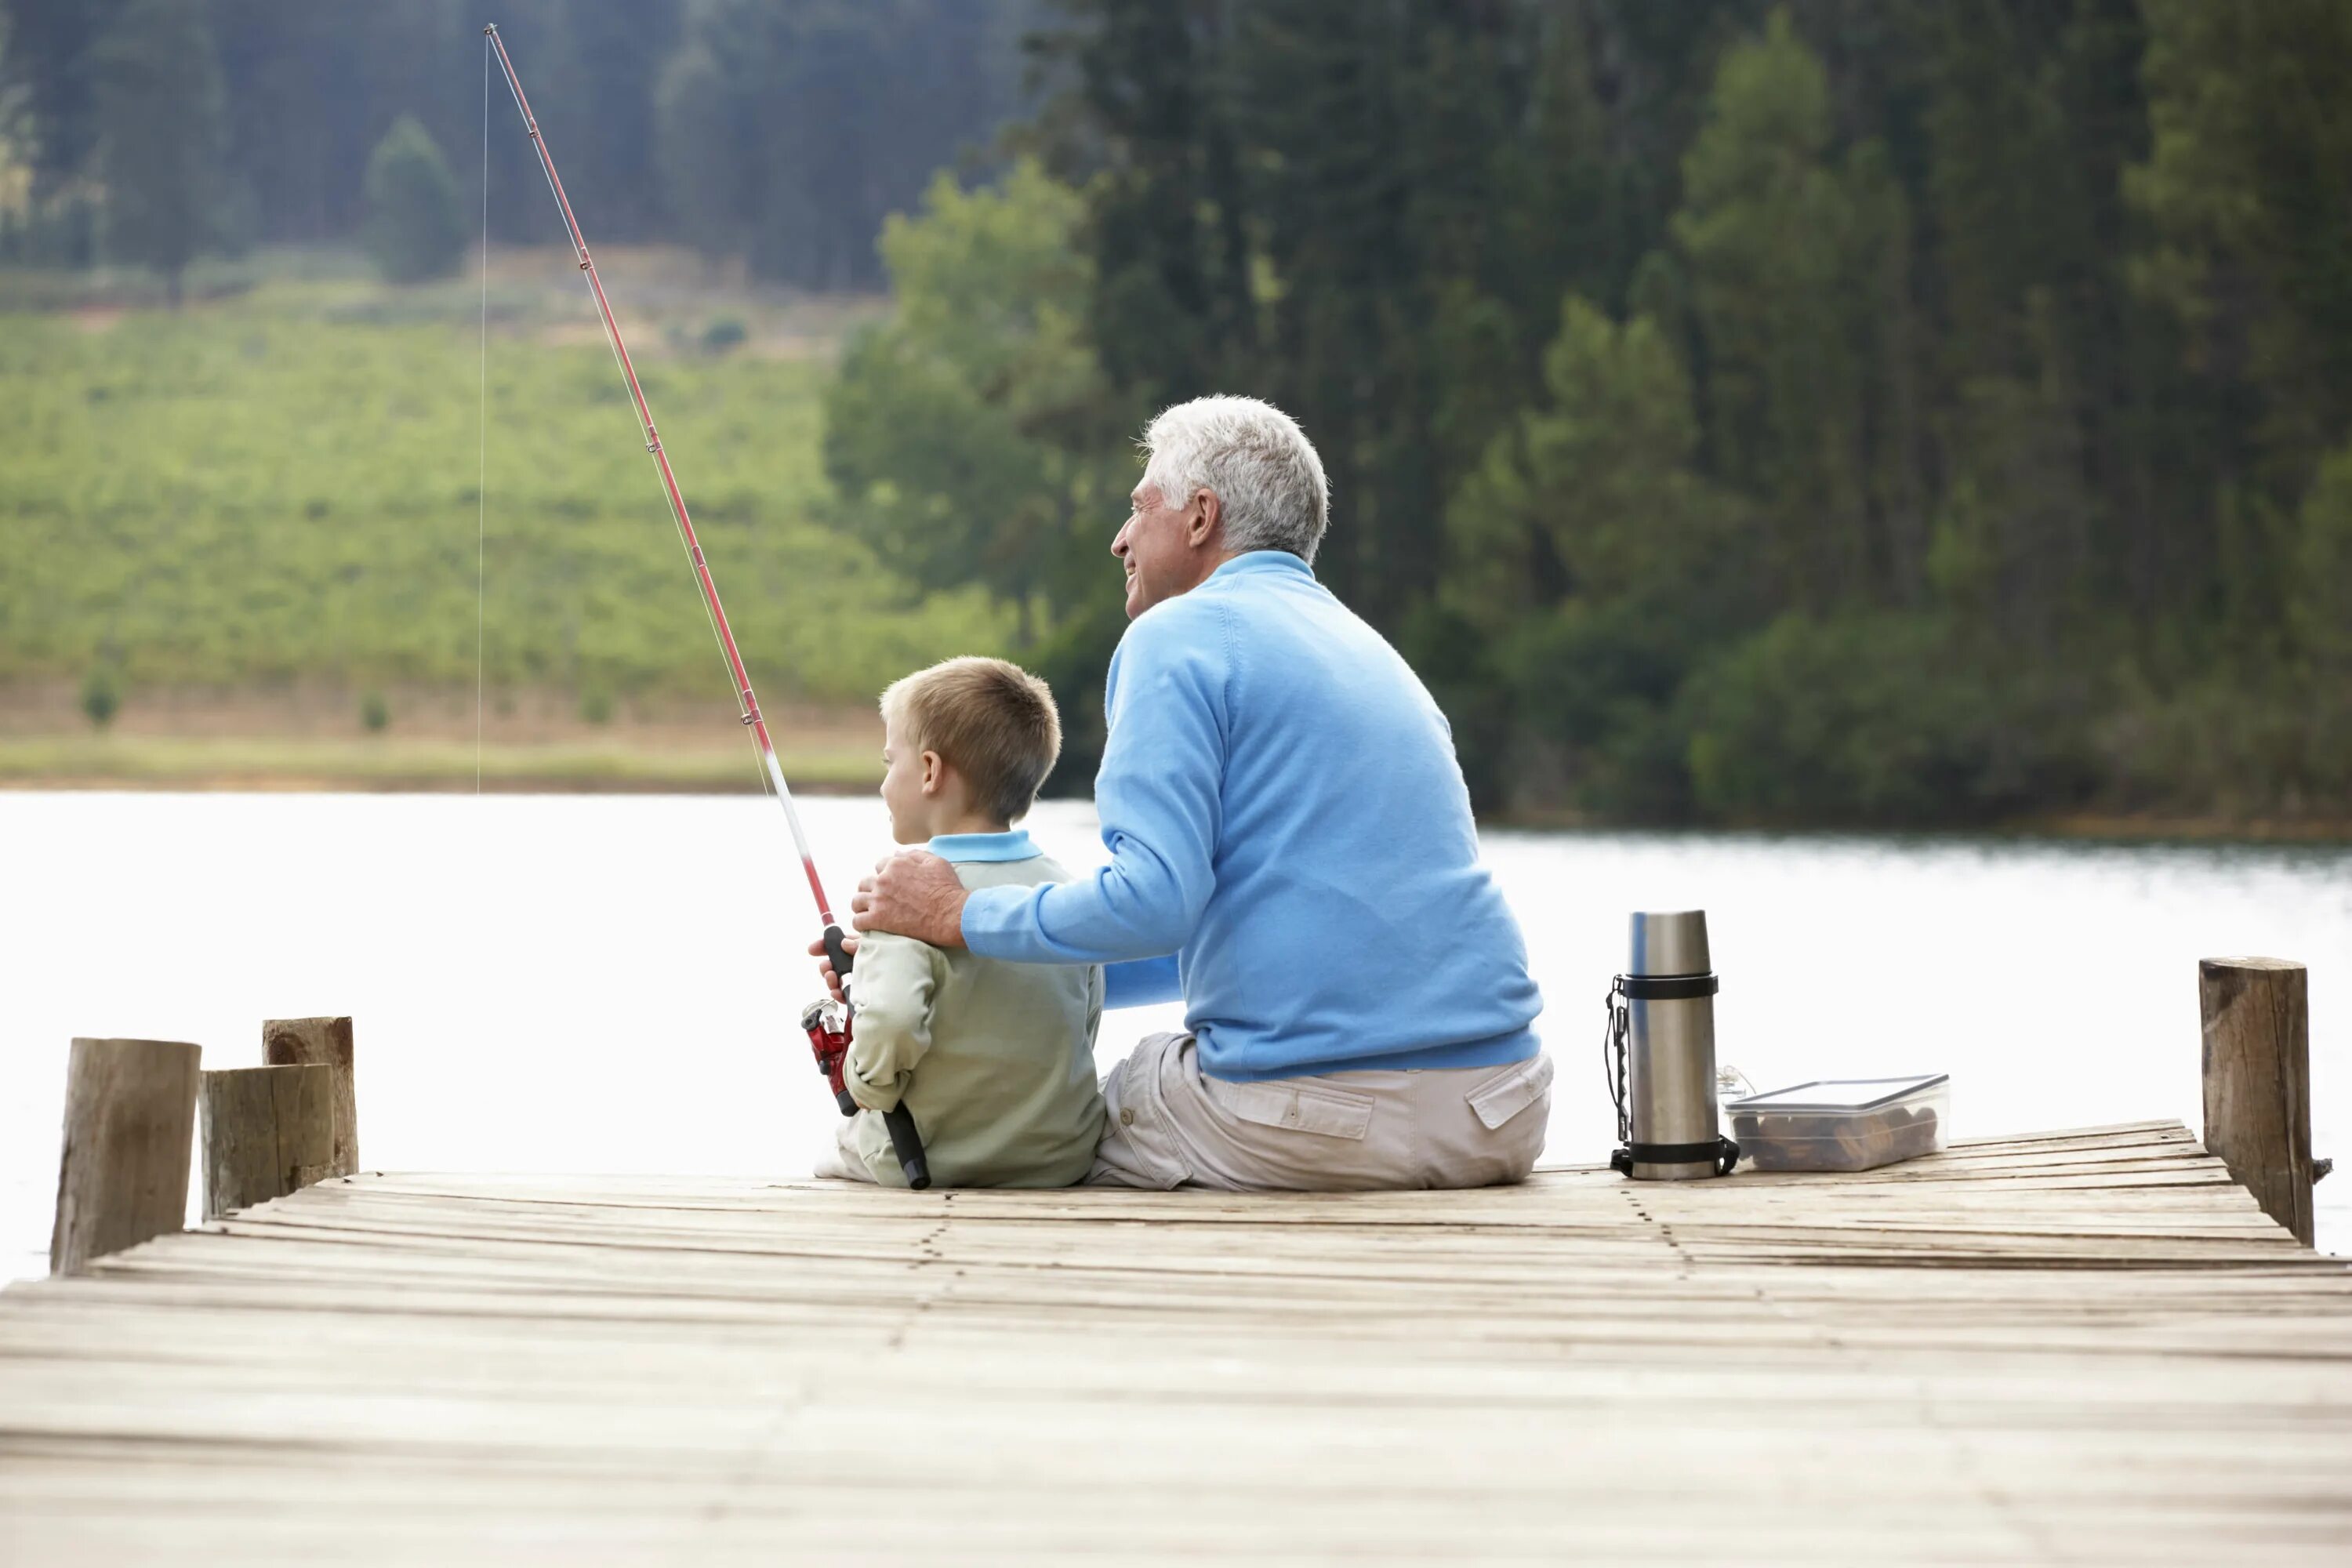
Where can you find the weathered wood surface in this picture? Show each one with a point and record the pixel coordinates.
(2084, 1347)
(302, 1042)
(124, 1153)
(2257, 1074)
(268, 1132)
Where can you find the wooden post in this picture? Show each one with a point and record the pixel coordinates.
(291, 1042)
(2258, 1080)
(122, 1173)
(268, 1131)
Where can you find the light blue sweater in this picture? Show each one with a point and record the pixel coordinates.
(1285, 817)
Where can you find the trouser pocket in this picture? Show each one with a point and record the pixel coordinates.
(1501, 1098)
(1512, 1112)
(1316, 1109)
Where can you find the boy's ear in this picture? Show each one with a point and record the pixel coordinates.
(935, 773)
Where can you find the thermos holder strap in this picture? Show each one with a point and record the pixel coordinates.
(1679, 1153)
(1667, 987)
(1720, 1153)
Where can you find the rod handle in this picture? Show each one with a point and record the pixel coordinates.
(836, 951)
(908, 1144)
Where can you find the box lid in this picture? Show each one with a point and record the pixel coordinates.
(1841, 1093)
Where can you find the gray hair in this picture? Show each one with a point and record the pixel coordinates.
(1269, 482)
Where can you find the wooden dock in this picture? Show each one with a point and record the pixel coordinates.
(2073, 1348)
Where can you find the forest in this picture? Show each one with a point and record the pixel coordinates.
(1912, 413)
(779, 134)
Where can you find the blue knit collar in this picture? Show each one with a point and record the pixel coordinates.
(962, 846)
(1252, 561)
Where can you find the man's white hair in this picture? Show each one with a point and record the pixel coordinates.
(1268, 479)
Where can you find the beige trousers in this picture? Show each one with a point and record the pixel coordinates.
(1172, 1126)
(842, 1163)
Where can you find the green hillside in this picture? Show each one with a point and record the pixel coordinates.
(284, 484)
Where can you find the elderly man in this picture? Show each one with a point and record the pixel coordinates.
(1292, 854)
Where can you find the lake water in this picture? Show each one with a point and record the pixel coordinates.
(612, 982)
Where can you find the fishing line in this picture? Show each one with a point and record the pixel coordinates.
(482, 428)
(904, 1137)
(747, 701)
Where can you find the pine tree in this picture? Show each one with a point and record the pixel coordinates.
(789, 132)
(50, 55)
(416, 225)
(1155, 85)
(2251, 132)
(160, 136)
(1798, 269)
(703, 152)
(2017, 264)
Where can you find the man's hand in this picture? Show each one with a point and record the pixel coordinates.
(824, 960)
(914, 894)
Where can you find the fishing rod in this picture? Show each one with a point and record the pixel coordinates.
(904, 1139)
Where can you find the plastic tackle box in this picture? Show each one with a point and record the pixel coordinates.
(1844, 1124)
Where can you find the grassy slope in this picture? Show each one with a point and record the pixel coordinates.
(283, 485)
(619, 761)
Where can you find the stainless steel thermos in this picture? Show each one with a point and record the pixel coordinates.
(1659, 1054)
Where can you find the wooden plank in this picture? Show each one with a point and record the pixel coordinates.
(2084, 1345)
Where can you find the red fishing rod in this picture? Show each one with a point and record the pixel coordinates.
(831, 1044)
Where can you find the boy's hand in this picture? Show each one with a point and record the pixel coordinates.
(915, 894)
(824, 964)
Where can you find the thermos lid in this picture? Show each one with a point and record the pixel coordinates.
(1670, 942)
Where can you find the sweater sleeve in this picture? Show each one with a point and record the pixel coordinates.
(1158, 795)
(892, 985)
(1142, 981)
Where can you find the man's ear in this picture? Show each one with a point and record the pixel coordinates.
(1208, 522)
(935, 773)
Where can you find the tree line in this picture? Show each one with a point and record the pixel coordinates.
(1899, 411)
(1872, 411)
(777, 134)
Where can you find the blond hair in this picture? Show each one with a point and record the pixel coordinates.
(992, 722)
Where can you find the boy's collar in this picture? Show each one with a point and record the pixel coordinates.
(1013, 845)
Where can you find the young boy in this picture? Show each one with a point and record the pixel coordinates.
(996, 1061)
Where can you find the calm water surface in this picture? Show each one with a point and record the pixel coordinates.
(611, 984)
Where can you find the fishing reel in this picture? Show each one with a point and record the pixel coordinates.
(826, 1023)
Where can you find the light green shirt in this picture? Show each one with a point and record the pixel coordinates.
(995, 1061)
